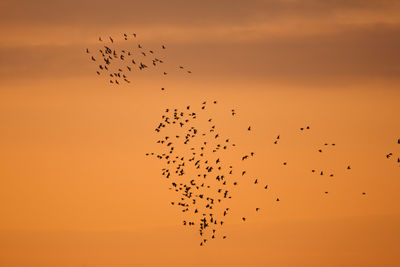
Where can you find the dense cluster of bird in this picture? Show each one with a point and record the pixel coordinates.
(193, 151)
(196, 169)
(118, 65)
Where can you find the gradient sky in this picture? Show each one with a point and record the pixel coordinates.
(76, 189)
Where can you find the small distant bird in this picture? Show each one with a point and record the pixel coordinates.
(163, 46)
(348, 167)
(257, 209)
(249, 128)
(244, 219)
(162, 89)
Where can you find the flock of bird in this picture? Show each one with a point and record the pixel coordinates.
(118, 65)
(193, 155)
(199, 174)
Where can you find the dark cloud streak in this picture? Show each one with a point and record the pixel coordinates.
(103, 13)
(356, 53)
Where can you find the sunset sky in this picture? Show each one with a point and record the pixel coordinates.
(77, 190)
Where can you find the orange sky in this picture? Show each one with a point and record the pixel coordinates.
(77, 190)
